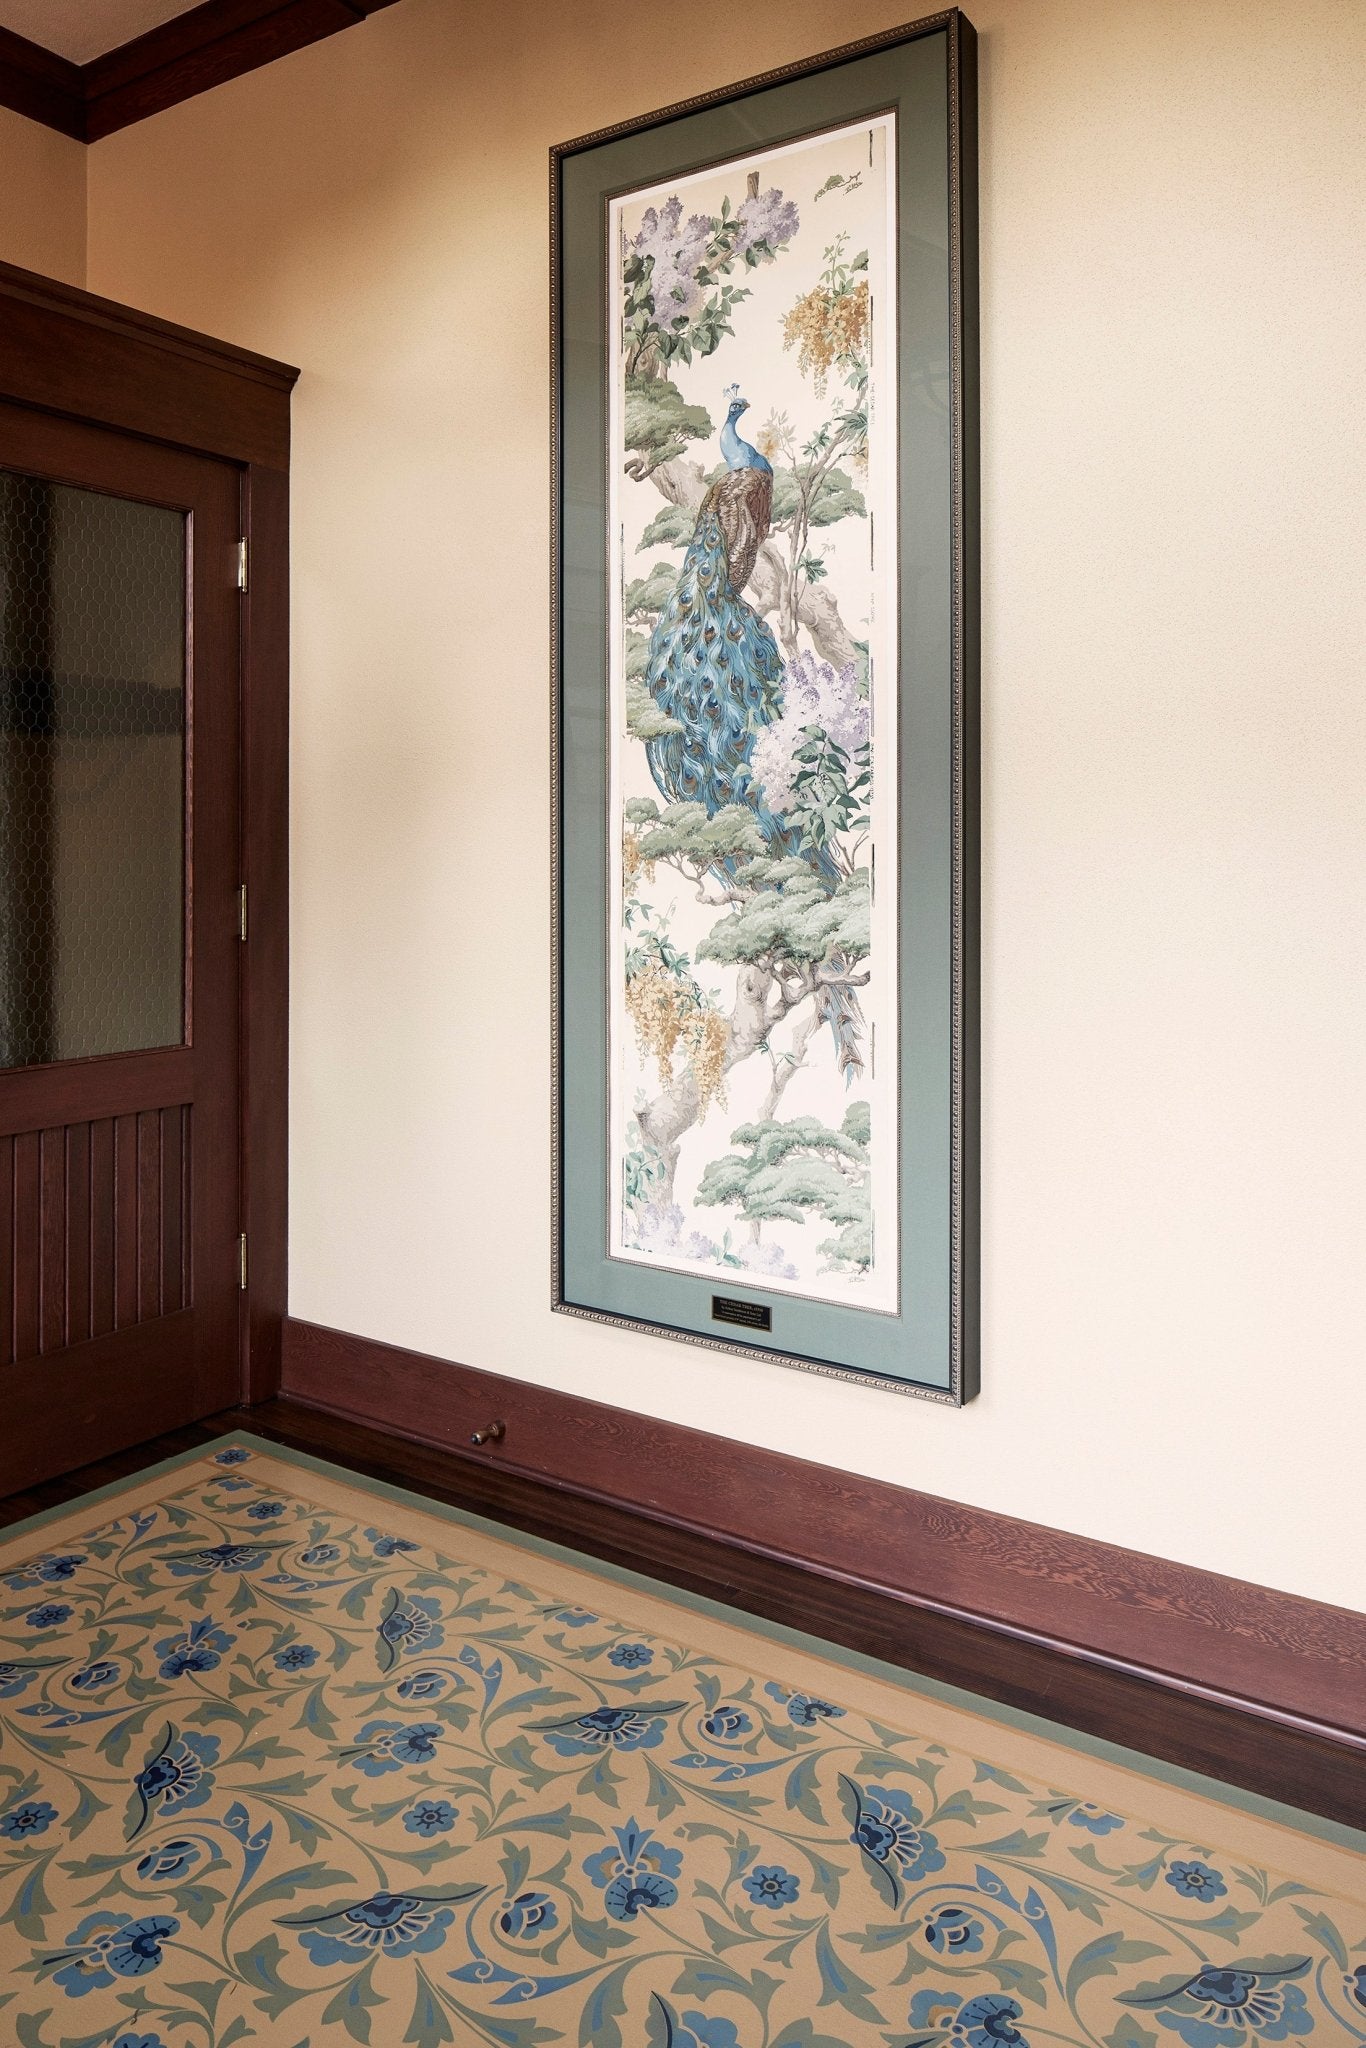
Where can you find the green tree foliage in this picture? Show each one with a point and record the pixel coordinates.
(647, 596)
(790, 1171)
(644, 719)
(792, 915)
(684, 833)
(835, 496)
(658, 423)
(672, 528)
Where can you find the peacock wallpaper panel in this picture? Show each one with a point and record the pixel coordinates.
(753, 728)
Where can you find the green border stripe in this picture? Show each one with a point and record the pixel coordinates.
(1290, 1817)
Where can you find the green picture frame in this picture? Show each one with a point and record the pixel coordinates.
(920, 80)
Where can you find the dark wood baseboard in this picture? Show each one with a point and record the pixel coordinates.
(212, 43)
(1258, 1688)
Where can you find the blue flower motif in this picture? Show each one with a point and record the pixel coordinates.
(529, 1913)
(199, 1648)
(950, 1931)
(175, 1776)
(234, 1455)
(1355, 1986)
(169, 1860)
(230, 1484)
(34, 1817)
(1094, 1819)
(627, 1897)
(386, 1745)
(51, 1616)
(16, 1678)
(423, 1685)
(696, 2030)
(387, 1923)
(45, 1570)
(218, 1557)
(138, 2041)
(320, 1553)
(103, 1672)
(985, 2022)
(1196, 1881)
(631, 1656)
(430, 1817)
(1231, 2007)
(636, 1853)
(888, 1830)
(107, 1946)
(296, 1657)
(804, 1710)
(989, 2022)
(265, 1510)
(387, 1546)
(409, 1624)
(608, 1728)
(769, 1885)
(573, 1617)
(60, 1567)
(727, 1724)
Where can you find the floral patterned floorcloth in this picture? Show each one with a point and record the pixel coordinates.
(289, 1759)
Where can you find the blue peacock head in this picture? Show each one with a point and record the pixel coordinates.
(735, 404)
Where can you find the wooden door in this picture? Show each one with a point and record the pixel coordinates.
(119, 940)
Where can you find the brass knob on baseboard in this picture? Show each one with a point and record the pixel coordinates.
(491, 1433)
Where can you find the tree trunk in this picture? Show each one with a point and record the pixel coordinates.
(674, 1113)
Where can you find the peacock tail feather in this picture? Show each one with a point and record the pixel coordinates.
(714, 668)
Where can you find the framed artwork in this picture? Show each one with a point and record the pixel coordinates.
(765, 598)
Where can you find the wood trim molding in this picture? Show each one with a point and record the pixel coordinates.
(219, 40)
(42, 86)
(1257, 1687)
(265, 870)
(68, 351)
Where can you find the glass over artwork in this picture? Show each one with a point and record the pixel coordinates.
(753, 731)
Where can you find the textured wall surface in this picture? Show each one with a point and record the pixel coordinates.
(1174, 724)
(42, 199)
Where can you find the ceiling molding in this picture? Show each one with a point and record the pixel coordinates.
(219, 40)
(45, 87)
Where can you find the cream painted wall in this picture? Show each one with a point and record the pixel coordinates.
(42, 199)
(1174, 725)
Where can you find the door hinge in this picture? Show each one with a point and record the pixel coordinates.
(242, 1262)
(242, 912)
(241, 565)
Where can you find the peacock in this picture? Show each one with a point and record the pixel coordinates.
(714, 669)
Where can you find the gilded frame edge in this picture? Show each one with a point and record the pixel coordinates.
(964, 918)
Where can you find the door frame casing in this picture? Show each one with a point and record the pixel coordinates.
(71, 353)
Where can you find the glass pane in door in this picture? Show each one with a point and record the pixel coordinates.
(92, 773)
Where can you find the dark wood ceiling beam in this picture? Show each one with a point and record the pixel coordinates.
(44, 87)
(219, 40)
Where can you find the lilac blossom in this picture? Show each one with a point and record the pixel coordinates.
(678, 252)
(659, 1229)
(813, 695)
(767, 1258)
(767, 218)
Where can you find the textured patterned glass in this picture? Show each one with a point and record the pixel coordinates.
(92, 773)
